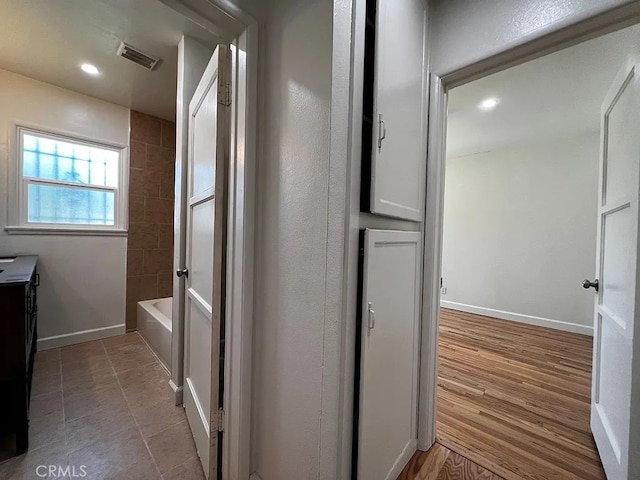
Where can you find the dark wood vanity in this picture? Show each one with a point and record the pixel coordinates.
(18, 344)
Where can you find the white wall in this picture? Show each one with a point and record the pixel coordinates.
(82, 278)
(466, 31)
(291, 253)
(520, 232)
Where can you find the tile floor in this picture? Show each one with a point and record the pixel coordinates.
(105, 405)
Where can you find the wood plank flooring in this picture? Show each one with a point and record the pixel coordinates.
(440, 463)
(514, 399)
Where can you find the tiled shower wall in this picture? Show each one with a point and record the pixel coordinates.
(151, 193)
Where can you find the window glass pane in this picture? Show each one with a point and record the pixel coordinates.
(47, 145)
(65, 149)
(29, 142)
(111, 174)
(29, 166)
(56, 159)
(53, 204)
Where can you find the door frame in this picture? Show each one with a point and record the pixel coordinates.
(596, 26)
(240, 30)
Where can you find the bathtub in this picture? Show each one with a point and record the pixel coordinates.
(154, 323)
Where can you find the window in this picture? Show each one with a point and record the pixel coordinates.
(68, 183)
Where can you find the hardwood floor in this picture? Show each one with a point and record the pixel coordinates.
(440, 463)
(514, 399)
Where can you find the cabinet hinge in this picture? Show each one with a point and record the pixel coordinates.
(224, 95)
(220, 420)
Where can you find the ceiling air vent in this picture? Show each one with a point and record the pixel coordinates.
(136, 56)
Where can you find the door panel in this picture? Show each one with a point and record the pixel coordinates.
(618, 161)
(389, 353)
(614, 391)
(204, 144)
(399, 158)
(205, 252)
(617, 272)
(202, 218)
(198, 352)
(615, 416)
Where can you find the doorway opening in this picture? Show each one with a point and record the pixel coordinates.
(529, 152)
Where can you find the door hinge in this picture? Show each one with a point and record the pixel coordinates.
(220, 420)
(224, 95)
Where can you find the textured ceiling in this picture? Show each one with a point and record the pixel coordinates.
(48, 40)
(556, 95)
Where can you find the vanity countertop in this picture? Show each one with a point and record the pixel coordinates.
(16, 271)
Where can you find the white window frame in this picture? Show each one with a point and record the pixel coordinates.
(21, 222)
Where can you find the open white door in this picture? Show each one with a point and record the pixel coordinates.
(206, 253)
(615, 398)
(388, 390)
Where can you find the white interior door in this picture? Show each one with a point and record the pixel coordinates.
(399, 159)
(206, 247)
(615, 409)
(387, 433)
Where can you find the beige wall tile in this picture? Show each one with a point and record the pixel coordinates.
(158, 261)
(167, 185)
(165, 236)
(132, 314)
(136, 209)
(165, 284)
(135, 263)
(143, 235)
(168, 134)
(145, 128)
(161, 159)
(151, 206)
(144, 182)
(137, 154)
(142, 287)
(158, 211)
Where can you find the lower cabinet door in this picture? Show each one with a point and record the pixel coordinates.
(389, 353)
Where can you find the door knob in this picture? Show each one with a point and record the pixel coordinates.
(182, 273)
(589, 284)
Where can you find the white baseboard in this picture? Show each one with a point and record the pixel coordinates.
(177, 392)
(518, 317)
(79, 337)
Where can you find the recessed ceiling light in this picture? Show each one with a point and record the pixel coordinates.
(488, 104)
(90, 69)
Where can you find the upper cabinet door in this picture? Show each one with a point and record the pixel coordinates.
(399, 157)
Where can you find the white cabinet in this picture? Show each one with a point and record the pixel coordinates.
(389, 335)
(399, 117)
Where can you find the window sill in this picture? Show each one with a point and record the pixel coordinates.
(87, 232)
